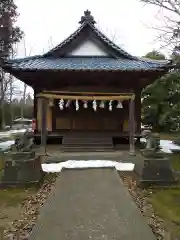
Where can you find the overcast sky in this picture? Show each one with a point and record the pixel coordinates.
(46, 23)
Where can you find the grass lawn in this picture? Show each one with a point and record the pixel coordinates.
(10, 203)
(166, 202)
(166, 205)
(175, 161)
(11, 200)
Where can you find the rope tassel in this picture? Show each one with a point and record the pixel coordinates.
(94, 105)
(77, 105)
(119, 105)
(110, 105)
(85, 105)
(102, 105)
(61, 104)
(68, 103)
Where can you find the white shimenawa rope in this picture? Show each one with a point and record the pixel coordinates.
(94, 105)
(77, 105)
(119, 105)
(110, 105)
(61, 104)
(85, 105)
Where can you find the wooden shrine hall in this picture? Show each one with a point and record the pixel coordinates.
(87, 88)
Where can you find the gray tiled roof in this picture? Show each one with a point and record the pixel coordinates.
(54, 59)
(84, 63)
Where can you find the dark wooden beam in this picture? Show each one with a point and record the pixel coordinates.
(138, 109)
(131, 128)
(44, 131)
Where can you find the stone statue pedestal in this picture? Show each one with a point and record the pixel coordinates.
(20, 169)
(154, 170)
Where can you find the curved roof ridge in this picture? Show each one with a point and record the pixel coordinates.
(105, 39)
(88, 20)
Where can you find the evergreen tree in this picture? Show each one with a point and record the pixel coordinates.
(161, 105)
(9, 35)
(8, 13)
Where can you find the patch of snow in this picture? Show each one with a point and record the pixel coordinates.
(73, 164)
(4, 134)
(17, 131)
(142, 140)
(167, 146)
(11, 132)
(22, 119)
(7, 144)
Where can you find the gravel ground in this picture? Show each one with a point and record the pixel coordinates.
(31, 208)
(140, 196)
(22, 228)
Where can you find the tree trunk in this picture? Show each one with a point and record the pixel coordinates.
(2, 100)
(25, 86)
(24, 101)
(10, 100)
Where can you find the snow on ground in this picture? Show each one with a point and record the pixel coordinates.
(11, 132)
(5, 145)
(72, 164)
(166, 146)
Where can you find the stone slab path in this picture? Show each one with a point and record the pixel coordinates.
(90, 204)
(56, 156)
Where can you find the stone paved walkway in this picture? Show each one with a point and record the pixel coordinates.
(90, 204)
(56, 156)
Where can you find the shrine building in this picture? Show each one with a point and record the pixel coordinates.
(89, 87)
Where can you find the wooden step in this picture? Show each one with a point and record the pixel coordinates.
(87, 146)
(86, 142)
(82, 141)
(80, 149)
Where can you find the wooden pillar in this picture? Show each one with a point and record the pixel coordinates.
(138, 110)
(44, 123)
(35, 111)
(49, 117)
(39, 114)
(131, 127)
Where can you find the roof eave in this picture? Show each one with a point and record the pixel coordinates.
(9, 68)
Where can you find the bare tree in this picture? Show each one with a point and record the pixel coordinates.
(9, 35)
(25, 85)
(2, 96)
(11, 97)
(12, 87)
(170, 29)
(112, 34)
(7, 89)
(50, 43)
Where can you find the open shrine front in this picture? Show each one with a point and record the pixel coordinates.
(87, 119)
(103, 113)
(98, 115)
